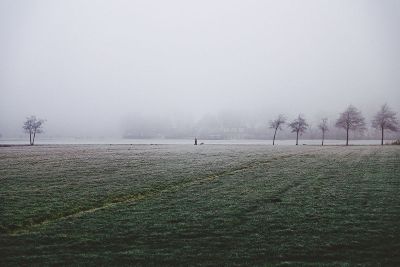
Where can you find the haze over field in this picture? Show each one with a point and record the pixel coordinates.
(99, 68)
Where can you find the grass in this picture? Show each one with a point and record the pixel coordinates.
(208, 205)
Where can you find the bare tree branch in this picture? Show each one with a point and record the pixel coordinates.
(299, 126)
(32, 126)
(351, 119)
(385, 119)
(277, 125)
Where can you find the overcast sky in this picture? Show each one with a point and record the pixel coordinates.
(86, 65)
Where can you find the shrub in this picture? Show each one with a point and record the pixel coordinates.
(396, 142)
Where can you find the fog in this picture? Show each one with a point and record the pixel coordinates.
(115, 68)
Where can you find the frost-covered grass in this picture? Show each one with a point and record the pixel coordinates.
(204, 205)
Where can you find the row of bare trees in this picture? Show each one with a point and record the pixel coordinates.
(349, 120)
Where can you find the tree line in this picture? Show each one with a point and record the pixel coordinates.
(349, 120)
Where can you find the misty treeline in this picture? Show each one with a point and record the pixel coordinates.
(349, 124)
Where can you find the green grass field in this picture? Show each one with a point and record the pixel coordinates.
(207, 205)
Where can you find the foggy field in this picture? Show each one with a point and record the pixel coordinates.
(206, 205)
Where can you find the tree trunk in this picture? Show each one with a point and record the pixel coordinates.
(382, 137)
(297, 138)
(33, 140)
(323, 137)
(347, 136)
(30, 137)
(273, 142)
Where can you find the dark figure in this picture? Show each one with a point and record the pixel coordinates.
(195, 141)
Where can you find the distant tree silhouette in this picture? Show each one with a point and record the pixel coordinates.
(323, 126)
(351, 119)
(385, 119)
(299, 126)
(277, 125)
(33, 126)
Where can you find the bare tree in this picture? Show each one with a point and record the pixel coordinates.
(351, 119)
(277, 125)
(385, 119)
(299, 126)
(323, 126)
(32, 126)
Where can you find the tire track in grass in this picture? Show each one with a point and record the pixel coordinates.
(152, 193)
(295, 185)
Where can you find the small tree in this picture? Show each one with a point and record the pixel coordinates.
(385, 119)
(299, 126)
(351, 119)
(32, 125)
(277, 125)
(323, 126)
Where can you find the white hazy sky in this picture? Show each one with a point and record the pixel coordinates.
(85, 65)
